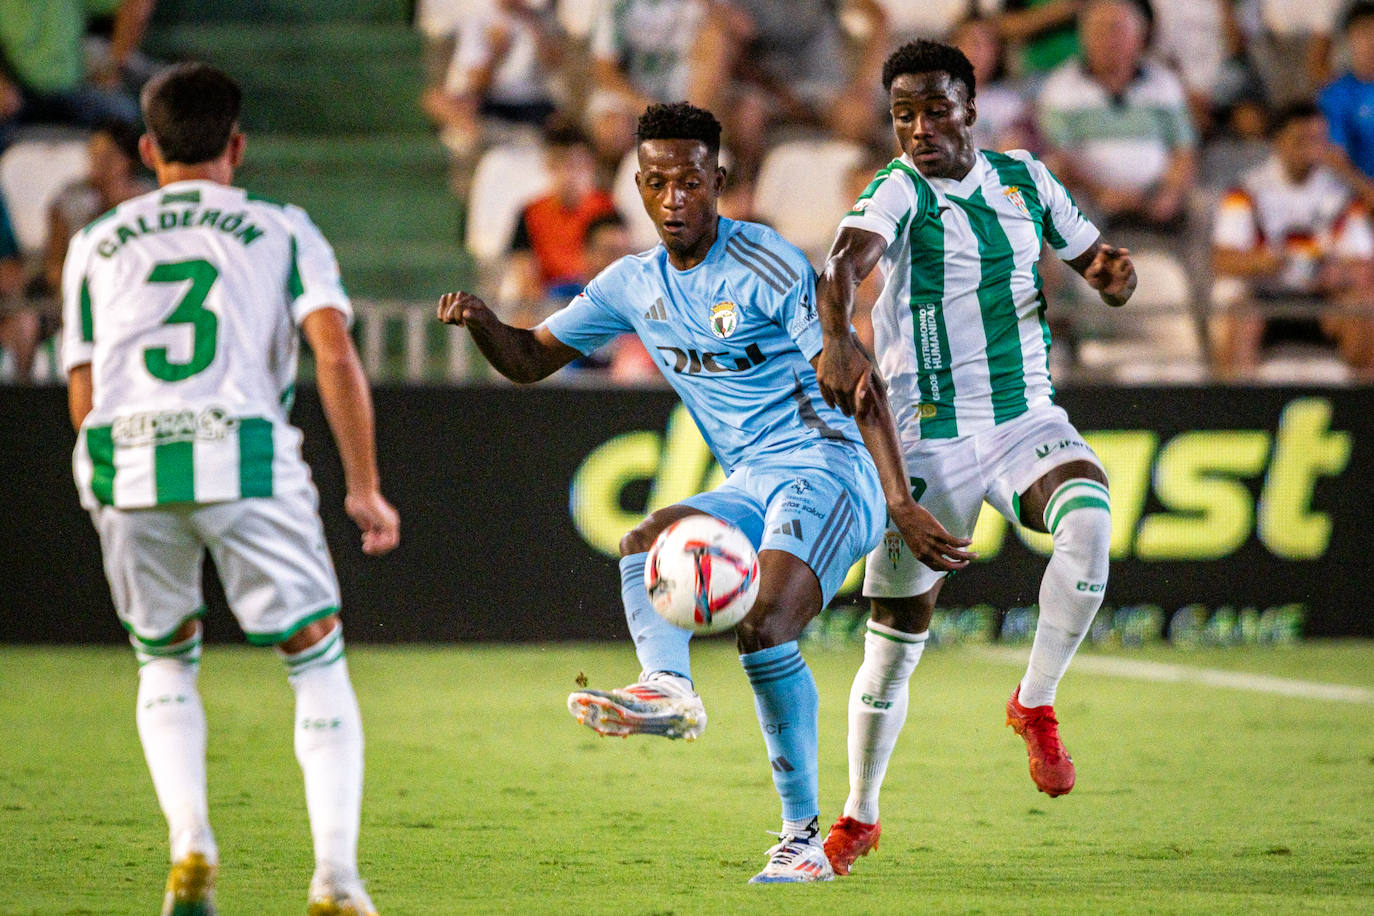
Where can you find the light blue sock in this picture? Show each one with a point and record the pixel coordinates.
(659, 645)
(788, 707)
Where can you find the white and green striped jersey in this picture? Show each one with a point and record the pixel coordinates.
(185, 301)
(959, 328)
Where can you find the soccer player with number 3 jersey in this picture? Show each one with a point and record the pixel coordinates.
(962, 343)
(180, 340)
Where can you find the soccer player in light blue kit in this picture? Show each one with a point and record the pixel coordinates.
(728, 308)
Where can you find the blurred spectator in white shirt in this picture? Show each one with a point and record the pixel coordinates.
(1118, 126)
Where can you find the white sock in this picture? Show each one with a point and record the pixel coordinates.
(329, 748)
(1079, 517)
(171, 726)
(877, 712)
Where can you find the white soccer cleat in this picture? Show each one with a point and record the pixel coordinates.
(334, 896)
(795, 860)
(660, 704)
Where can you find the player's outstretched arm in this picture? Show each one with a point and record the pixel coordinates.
(1108, 270)
(929, 541)
(347, 404)
(520, 355)
(842, 365)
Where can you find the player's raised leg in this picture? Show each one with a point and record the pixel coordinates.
(1071, 502)
(663, 700)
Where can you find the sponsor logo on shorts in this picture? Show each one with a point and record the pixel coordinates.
(1049, 448)
(161, 426)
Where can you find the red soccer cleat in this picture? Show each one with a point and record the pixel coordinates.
(1050, 765)
(847, 840)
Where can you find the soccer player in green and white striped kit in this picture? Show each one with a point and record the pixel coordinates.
(180, 312)
(963, 346)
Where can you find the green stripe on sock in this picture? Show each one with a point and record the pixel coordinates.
(913, 640)
(1078, 502)
(174, 472)
(1073, 487)
(255, 457)
(307, 656)
(100, 447)
(271, 639)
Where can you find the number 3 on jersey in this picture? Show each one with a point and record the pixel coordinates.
(190, 310)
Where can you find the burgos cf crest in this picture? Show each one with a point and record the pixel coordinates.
(1013, 194)
(724, 319)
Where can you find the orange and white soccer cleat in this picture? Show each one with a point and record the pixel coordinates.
(849, 839)
(661, 704)
(1051, 767)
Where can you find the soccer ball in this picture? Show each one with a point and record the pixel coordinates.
(702, 574)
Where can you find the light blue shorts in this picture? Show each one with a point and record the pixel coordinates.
(824, 505)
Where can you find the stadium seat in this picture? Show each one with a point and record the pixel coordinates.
(1155, 336)
(806, 212)
(31, 174)
(507, 177)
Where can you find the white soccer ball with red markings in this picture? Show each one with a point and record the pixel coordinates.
(702, 574)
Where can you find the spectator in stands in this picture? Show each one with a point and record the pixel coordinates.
(501, 74)
(1005, 115)
(19, 321)
(932, 19)
(1044, 30)
(549, 257)
(1289, 43)
(114, 176)
(1293, 230)
(1348, 103)
(1118, 126)
(789, 58)
(44, 77)
(1202, 42)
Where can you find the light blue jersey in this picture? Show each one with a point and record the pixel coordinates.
(733, 335)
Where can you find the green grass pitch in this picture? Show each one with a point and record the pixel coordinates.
(483, 796)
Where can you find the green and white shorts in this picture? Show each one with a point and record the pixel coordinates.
(953, 478)
(270, 554)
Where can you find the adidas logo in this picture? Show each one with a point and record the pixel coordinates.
(657, 312)
(782, 764)
(792, 528)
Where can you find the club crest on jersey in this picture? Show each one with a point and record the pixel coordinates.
(1013, 194)
(724, 319)
(893, 542)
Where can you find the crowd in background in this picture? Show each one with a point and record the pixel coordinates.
(1243, 128)
(1229, 142)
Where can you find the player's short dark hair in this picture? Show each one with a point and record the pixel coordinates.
(1299, 110)
(125, 135)
(1358, 11)
(679, 121)
(191, 111)
(922, 56)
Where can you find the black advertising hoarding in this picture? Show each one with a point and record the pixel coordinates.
(513, 500)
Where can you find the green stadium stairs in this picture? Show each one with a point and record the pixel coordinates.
(331, 90)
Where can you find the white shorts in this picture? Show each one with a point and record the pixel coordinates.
(954, 477)
(269, 552)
